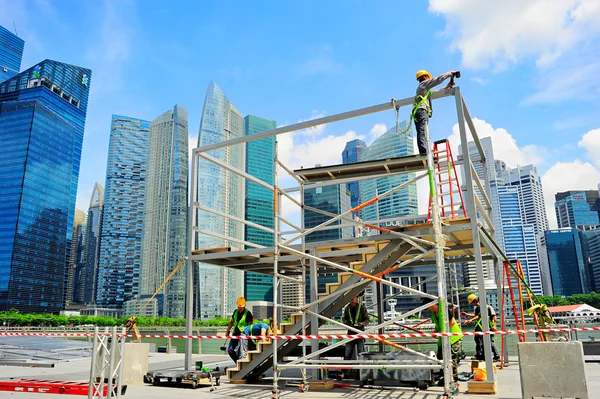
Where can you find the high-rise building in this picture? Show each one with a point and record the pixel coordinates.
(333, 199)
(217, 288)
(577, 209)
(123, 214)
(91, 247)
(259, 202)
(402, 202)
(42, 119)
(352, 153)
(566, 256)
(164, 242)
(591, 241)
(11, 54)
(76, 254)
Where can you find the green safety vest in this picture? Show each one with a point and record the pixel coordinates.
(441, 328)
(356, 315)
(479, 324)
(419, 100)
(241, 323)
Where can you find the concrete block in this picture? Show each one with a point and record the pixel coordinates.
(135, 365)
(552, 369)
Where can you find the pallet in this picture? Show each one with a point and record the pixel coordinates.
(484, 387)
(179, 378)
(321, 385)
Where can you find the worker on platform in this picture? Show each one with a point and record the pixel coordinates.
(241, 318)
(437, 318)
(476, 318)
(422, 107)
(355, 315)
(255, 329)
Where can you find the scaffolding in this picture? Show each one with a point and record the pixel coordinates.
(363, 260)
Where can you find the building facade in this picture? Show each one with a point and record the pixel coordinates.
(217, 288)
(333, 199)
(259, 202)
(164, 242)
(76, 255)
(123, 213)
(11, 54)
(352, 153)
(42, 119)
(577, 209)
(567, 260)
(88, 274)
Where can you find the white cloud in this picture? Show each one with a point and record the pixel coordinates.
(315, 130)
(481, 81)
(591, 143)
(505, 145)
(565, 176)
(506, 32)
(377, 130)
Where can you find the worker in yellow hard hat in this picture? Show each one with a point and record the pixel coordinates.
(240, 318)
(476, 318)
(422, 109)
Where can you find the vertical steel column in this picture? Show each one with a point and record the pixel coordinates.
(95, 344)
(379, 313)
(314, 320)
(189, 294)
(438, 239)
(472, 212)
(303, 283)
(275, 389)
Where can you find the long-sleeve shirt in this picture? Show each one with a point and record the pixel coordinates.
(427, 85)
(350, 316)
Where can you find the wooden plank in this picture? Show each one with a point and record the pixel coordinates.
(321, 385)
(484, 387)
(214, 250)
(237, 381)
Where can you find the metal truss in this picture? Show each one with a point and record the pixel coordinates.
(436, 242)
(106, 373)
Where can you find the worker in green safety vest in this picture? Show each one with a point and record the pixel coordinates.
(422, 107)
(241, 318)
(355, 315)
(476, 318)
(437, 318)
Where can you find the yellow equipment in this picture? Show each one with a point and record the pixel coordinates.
(479, 374)
(423, 72)
(471, 298)
(241, 302)
(130, 325)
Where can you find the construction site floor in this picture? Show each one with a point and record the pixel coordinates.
(78, 370)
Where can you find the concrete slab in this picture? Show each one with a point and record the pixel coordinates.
(552, 369)
(135, 365)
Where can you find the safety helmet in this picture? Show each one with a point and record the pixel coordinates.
(479, 374)
(423, 72)
(241, 302)
(471, 298)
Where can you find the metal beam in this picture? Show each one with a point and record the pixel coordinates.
(235, 170)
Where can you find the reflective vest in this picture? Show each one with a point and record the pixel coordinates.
(355, 321)
(441, 328)
(241, 323)
(419, 100)
(478, 323)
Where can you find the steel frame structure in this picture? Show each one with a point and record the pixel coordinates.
(293, 256)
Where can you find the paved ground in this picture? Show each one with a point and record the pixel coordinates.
(78, 370)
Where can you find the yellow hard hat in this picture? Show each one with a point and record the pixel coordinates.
(241, 302)
(423, 72)
(471, 298)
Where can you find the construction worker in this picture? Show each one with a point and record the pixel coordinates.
(355, 315)
(455, 340)
(422, 107)
(241, 318)
(255, 329)
(476, 318)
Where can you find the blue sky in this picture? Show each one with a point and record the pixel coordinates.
(529, 71)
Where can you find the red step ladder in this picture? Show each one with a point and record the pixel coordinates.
(446, 183)
(50, 386)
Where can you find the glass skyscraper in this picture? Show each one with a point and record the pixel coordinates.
(259, 202)
(42, 119)
(334, 199)
(123, 214)
(401, 203)
(217, 288)
(85, 290)
(573, 209)
(566, 256)
(76, 254)
(352, 153)
(165, 213)
(11, 54)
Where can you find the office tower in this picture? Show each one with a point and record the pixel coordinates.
(123, 214)
(42, 119)
(401, 203)
(91, 246)
(591, 241)
(164, 242)
(577, 209)
(217, 288)
(259, 202)
(333, 199)
(76, 253)
(11, 54)
(352, 153)
(566, 256)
